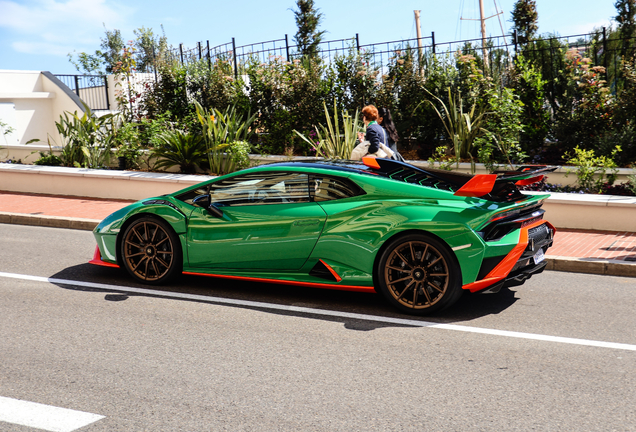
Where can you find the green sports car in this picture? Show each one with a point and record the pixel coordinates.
(418, 236)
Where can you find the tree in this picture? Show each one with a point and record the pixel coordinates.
(626, 23)
(528, 83)
(149, 48)
(87, 64)
(307, 37)
(112, 47)
(525, 20)
(107, 58)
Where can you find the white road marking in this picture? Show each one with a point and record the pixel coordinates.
(46, 417)
(323, 312)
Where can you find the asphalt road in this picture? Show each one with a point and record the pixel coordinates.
(164, 363)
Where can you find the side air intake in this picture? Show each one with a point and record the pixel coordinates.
(324, 271)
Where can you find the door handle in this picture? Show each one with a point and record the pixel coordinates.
(306, 222)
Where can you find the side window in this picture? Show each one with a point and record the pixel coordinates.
(324, 188)
(261, 188)
(187, 197)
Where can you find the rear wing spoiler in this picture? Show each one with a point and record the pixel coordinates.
(502, 184)
(485, 184)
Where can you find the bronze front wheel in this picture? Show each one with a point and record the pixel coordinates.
(151, 251)
(419, 274)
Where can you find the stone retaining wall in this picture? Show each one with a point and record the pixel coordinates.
(28, 153)
(579, 211)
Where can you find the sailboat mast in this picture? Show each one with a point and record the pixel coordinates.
(418, 28)
(482, 18)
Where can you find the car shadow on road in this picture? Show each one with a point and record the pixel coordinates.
(305, 302)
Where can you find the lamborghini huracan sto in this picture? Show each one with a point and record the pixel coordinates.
(420, 237)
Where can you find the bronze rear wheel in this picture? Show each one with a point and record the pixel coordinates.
(151, 251)
(419, 275)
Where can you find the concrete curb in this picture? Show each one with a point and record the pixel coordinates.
(564, 264)
(48, 221)
(591, 266)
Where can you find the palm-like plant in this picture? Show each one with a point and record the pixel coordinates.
(87, 139)
(334, 142)
(220, 131)
(461, 126)
(180, 148)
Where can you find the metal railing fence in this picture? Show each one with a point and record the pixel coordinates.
(498, 54)
(92, 89)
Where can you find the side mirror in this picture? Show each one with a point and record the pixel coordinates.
(215, 211)
(204, 201)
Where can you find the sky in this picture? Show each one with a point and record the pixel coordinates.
(39, 34)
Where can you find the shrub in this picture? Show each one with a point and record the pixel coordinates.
(149, 129)
(530, 87)
(623, 130)
(623, 136)
(591, 170)
(334, 143)
(125, 141)
(237, 157)
(463, 124)
(502, 127)
(48, 160)
(180, 148)
(287, 96)
(168, 96)
(87, 140)
(226, 132)
(585, 115)
(214, 85)
(403, 89)
(352, 80)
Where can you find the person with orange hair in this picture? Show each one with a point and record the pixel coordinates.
(375, 133)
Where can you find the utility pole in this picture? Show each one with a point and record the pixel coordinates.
(418, 28)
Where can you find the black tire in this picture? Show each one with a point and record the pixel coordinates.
(419, 275)
(151, 251)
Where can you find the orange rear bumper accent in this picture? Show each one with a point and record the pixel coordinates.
(504, 268)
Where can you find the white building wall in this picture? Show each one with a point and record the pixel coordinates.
(32, 101)
(38, 103)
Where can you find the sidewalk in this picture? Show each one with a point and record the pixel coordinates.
(597, 252)
(55, 210)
